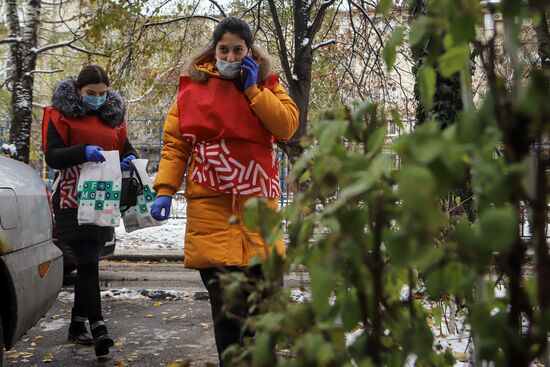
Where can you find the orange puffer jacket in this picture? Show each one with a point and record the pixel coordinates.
(210, 240)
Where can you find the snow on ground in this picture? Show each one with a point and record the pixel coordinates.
(166, 237)
(125, 294)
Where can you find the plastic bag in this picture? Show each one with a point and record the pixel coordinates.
(98, 191)
(139, 216)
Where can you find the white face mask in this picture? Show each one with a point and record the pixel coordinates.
(229, 70)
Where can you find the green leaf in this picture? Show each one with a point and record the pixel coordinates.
(384, 6)
(437, 314)
(321, 284)
(454, 60)
(419, 29)
(499, 228)
(463, 29)
(264, 355)
(511, 8)
(427, 79)
(376, 140)
(389, 52)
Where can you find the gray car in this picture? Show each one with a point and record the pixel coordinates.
(31, 266)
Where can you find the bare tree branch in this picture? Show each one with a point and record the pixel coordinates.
(187, 17)
(323, 44)
(366, 15)
(281, 41)
(215, 3)
(43, 72)
(55, 45)
(87, 51)
(11, 40)
(314, 28)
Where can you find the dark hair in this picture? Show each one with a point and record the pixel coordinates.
(91, 74)
(233, 25)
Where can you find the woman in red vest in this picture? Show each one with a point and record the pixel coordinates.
(230, 110)
(85, 118)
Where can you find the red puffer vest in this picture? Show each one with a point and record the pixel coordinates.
(83, 130)
(233, 150)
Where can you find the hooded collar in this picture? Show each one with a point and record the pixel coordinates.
(67, 100)
(208, 65)
(205, 68)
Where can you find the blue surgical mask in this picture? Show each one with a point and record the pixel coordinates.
(228, 69)
(94, 102)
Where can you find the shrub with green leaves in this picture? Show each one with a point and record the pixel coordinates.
(363, 231)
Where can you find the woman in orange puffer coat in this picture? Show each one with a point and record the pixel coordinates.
(221, 130)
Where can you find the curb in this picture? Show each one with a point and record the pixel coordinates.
(146, 257)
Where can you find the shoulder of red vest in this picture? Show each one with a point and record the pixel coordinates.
(184, 81)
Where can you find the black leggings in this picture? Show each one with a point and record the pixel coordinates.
(87, 252)
(228, 323)
(87, 298)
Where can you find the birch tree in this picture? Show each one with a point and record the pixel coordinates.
(24, 19)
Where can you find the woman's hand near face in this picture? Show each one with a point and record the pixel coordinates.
(251, 71)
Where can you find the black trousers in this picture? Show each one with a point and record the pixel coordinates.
(87, 298)
(229, 322)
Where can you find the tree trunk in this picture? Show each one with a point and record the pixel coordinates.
(306, 26)
(300, 85)
(543, 40)
(23, 62)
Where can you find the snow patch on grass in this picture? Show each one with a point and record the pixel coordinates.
(168, 236)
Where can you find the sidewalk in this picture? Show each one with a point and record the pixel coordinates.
(140, 254)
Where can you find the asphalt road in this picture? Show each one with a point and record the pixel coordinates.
(157, 313)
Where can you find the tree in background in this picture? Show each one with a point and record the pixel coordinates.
(23, 20)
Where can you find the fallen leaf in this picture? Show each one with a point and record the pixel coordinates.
(120, 363)
(461, 357)
(148, 316)
(37, 338)
(204, 325)
(48, 358)
(177, 364)
(157, 304)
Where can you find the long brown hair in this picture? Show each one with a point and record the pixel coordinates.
(240, 28)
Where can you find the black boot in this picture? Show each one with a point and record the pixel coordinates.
(102, 340)
(77, 330)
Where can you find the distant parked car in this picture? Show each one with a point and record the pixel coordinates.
(69, 263)
(31, 266)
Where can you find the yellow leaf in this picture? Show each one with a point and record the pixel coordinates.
(120, 363)
(177, 364)
(157, 304)
(461, 357)
(48, 358)
(148, 316)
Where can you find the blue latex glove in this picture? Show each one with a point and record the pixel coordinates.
(125, 164)
(93, 154)
(160, 203)
(251, 70)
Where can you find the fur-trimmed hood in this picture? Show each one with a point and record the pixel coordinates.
(67, 100)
